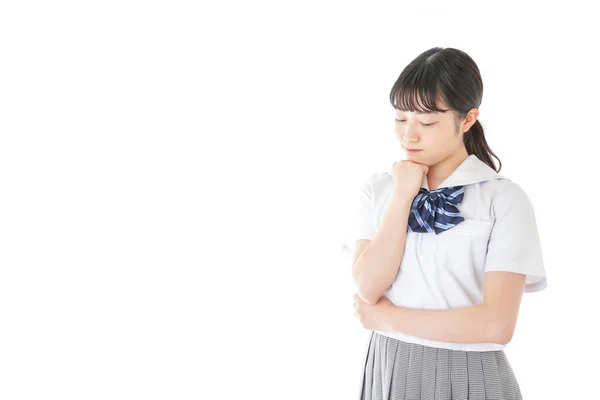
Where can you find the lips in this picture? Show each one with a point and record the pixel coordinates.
(412, 150)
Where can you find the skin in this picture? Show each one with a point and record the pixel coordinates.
(442, 141)
(495, 320)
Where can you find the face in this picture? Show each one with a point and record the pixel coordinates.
(437, 135)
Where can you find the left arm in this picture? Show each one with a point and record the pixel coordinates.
(494, 321)
(473, 324)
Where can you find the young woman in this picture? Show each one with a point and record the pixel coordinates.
(444, 247)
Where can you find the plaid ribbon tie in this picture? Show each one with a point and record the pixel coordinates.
(436, 211)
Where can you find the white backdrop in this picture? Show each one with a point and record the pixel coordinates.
(177, 179)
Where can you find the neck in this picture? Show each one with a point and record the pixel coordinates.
(439, 172)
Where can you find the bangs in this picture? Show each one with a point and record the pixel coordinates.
(416, 90)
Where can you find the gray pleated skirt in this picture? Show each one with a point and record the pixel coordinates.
(397, 370)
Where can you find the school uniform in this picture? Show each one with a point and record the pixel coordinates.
(443, 269)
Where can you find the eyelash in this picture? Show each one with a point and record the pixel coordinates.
(433, 123)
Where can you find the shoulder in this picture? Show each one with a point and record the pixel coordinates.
(508, 196)
(504, 189)
(377, 182)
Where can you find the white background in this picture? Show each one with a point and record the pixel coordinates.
(176, 179)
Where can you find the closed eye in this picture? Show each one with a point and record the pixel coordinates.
(403, 120)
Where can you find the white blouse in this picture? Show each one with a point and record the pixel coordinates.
(447, 270)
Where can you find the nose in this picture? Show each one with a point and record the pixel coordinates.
(410, 134)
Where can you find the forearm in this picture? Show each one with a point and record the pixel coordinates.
(377, 267)
(475, 324)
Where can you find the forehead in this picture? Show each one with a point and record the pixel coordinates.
(419, 100)
(424, 112)
(419, 108)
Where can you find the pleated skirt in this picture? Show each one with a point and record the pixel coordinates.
(397, 370)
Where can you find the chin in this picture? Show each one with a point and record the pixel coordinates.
(414, 156)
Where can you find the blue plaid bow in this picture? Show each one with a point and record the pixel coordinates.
(437, 209)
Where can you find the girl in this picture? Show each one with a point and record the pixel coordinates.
(444, 247)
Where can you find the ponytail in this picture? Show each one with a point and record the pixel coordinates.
(475, 143)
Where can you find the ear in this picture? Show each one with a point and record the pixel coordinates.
(469, 120)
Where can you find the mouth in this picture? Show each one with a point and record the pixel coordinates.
(412, 150)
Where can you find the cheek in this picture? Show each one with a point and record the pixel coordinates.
(432, 138)
(441, 136)
(399, 128)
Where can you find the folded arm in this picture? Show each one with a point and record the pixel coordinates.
(494, 321)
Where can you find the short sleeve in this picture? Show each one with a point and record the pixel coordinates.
(514, 243)
(362, 224)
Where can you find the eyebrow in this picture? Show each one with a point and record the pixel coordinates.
(430, 112)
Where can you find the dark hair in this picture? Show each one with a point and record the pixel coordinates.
(453, 76)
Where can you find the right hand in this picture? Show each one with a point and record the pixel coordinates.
(408, 176)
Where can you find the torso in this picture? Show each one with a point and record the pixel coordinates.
(446, 270)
